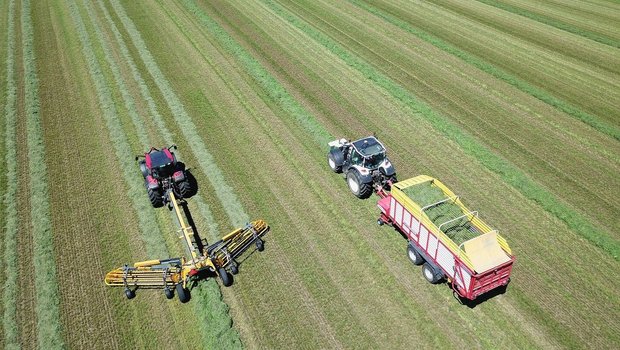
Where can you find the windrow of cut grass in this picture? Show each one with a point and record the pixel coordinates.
(121, 87)
(49, 328)
(508, 172)
(9, 261)
(603, 39)
(151, 234)
(216, 323)
(273, 88)
(224, 192)
(495, 71)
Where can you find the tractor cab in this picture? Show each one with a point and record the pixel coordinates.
(368, 153)
(161, 163)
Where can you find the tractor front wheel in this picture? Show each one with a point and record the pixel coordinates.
(359, 189)
(334, 160)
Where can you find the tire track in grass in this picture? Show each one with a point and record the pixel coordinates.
(522, 85)
(208, 294)
(10, 331)
(47, 310)
(603, 39)
(509, 173)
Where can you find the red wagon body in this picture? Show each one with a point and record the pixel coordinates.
(451, 241)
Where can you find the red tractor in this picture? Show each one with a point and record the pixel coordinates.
(162, 172)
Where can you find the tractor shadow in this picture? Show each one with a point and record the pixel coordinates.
(200, 242)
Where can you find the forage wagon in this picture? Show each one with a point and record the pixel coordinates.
(449, 240)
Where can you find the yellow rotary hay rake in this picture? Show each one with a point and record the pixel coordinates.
(203, 262)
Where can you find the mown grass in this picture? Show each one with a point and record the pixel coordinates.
(603, 39)
(206, 161)
(486, 67)
(10, 331)
(265, 80)
(215, 321)
(425, 194)
(49, 328)
(508, 172)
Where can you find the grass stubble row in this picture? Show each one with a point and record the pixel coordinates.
(10, 330)
(508, 172)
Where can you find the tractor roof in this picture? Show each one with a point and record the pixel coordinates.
(368, 146)
(157, 158)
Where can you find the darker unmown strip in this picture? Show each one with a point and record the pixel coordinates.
(498, 73)
(509, 173)
(554, 23)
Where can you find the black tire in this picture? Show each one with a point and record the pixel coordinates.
(260, 246)
(335, 159)
(415, 257)
(188, 187)
(380, 222)
(143, 169)
(225, 277)
(431, 274)
(234, 269)
(183, 294)
(359, 189)
(185, 189)
(169, 293)
(130, 294)
(155, 197)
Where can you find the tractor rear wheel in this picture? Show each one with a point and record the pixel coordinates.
(183, 293)
(225, 277)
(414, 256)
(189, 186)
(359, 189)
(155, 197)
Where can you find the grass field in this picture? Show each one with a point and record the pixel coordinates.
(512, 104)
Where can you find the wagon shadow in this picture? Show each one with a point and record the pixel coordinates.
(481, 298)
